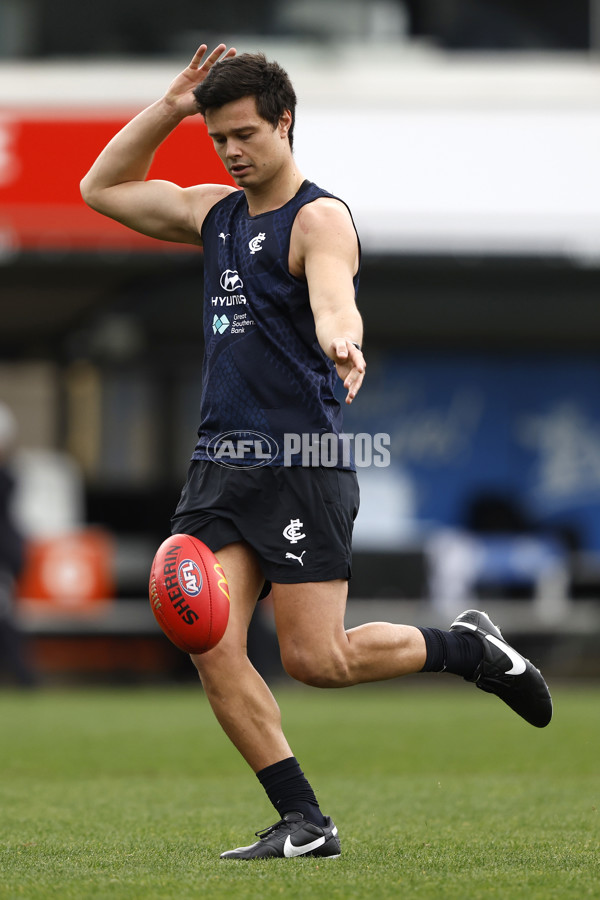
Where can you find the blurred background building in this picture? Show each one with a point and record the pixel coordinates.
(464, 134)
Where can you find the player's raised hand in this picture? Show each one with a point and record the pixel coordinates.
(180, 90)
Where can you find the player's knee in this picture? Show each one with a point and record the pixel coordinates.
(206, 672)
(317, 669)
(215, 666)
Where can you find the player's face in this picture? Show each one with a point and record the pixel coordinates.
(250, 148)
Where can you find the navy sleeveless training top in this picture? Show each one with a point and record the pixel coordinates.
(264, 372)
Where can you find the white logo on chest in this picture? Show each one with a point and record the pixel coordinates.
(231, 281)
(256, 243)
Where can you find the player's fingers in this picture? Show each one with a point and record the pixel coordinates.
(354, 376)
(198, 56)
(213, 57)
(340, 349)
(358, 360)
(354, 388)
(356, 357)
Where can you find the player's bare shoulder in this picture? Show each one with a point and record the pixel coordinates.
(322, 214)
(202, 198)
(323, 225)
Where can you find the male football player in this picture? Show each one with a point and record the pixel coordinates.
(281, 268)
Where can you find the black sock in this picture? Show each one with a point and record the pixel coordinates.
(451, 651)
(289, 791)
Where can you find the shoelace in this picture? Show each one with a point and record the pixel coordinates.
(265, 832)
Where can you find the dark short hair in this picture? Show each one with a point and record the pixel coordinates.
(249, 75)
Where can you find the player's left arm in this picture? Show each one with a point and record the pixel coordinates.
(328, 256)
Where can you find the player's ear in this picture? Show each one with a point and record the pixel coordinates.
(285, 123)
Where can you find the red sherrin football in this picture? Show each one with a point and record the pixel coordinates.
(189, 594)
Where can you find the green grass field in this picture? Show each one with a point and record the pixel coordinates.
(438, 791)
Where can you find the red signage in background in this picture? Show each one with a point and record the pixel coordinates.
(42, 160)
(69, 573)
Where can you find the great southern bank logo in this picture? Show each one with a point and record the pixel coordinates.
(220, 323)
(250, 449)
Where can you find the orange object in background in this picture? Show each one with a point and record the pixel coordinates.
(69, 573)
(41, 213)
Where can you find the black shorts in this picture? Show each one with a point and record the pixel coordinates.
(298, 520)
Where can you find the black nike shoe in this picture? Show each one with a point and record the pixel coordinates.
(291, 836)
(505, 672)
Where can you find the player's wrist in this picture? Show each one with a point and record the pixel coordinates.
(173, 110)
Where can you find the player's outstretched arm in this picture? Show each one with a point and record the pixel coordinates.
(330, 260)
(116, 184)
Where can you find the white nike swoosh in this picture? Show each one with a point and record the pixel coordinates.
(290, 850)
(518, 663)
(466, 625)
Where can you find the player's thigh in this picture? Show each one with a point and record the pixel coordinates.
(309, 619)
(245, 580)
